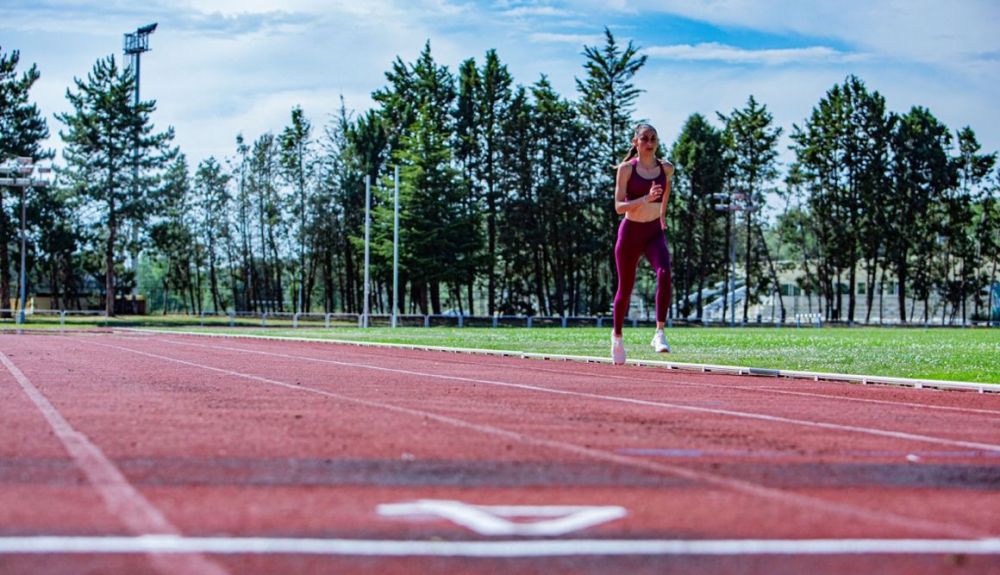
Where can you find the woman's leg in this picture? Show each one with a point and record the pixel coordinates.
(658, 254)
(627, 252)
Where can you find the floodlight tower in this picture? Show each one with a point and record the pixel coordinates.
(135, 44)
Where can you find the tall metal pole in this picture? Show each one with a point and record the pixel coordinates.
(726, 207)
(368, 195)
(302, 240)
(135, 44)
(24, 243)
(395, 246)
(135, 62)
(732, 271)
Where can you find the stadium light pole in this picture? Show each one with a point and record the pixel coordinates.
(22, 298)
(368, 201)
(22, 170)
(135, 44)
(395, 246)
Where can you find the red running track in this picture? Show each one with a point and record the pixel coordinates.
(140, 453)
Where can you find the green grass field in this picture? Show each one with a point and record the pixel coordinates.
(971, 355)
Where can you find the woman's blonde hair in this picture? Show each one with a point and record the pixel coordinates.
(633, 151)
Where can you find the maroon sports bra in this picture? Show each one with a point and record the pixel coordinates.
(638, 186)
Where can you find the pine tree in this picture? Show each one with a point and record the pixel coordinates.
(468, 151)
(211, 188)
(297, 171)
(432, 224)
(607, 103)
(174, 241)
(921, 175)
(700, 242)
(843, 157)
(22, 129)
(751, 141)
(966, 226)
(519, 232)
(106, 137)
(561, 256)
(263, 172)
(494, 103)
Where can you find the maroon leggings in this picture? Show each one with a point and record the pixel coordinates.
(635, 239)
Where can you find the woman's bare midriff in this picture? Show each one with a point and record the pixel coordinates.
(644, 213)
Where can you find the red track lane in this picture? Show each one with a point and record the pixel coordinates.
(235, 438)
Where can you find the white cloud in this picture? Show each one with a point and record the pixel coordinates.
(222, 67)
(575, 39)
(926, 31)
(712, 51)
(534, 11)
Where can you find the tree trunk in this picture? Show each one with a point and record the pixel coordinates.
(278, 290)
(213, 279)
(419, 290)
(870, 276)
(436, 297)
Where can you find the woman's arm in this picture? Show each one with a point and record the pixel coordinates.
(668, 170)
(622, 205)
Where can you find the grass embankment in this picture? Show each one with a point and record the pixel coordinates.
(971, 355)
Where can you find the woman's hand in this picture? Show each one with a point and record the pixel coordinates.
(655, 193)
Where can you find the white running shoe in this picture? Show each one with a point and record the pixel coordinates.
(659, 342)
(617, 349)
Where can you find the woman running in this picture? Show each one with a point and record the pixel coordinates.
(642, 189)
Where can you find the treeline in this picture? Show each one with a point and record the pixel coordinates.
(505, 199)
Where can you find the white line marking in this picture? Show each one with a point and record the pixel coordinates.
(770, 389)
(120, 497)
(501, 549)
(697, 367)
(742, 387)
(737, 485)
(715, 411)
(495, 519)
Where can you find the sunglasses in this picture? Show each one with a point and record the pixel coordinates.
(645, 139)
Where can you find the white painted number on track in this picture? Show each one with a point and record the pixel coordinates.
(507, 520)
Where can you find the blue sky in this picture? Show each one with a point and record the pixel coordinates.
(221, 67)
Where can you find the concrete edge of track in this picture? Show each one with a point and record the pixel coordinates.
(697, 367)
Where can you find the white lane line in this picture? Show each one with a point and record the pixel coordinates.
(992, 412)
(725, 371)
(696, 367)
(737, 485)
(618, 399)
(498, 549)
(736, 388)
(122, 500)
